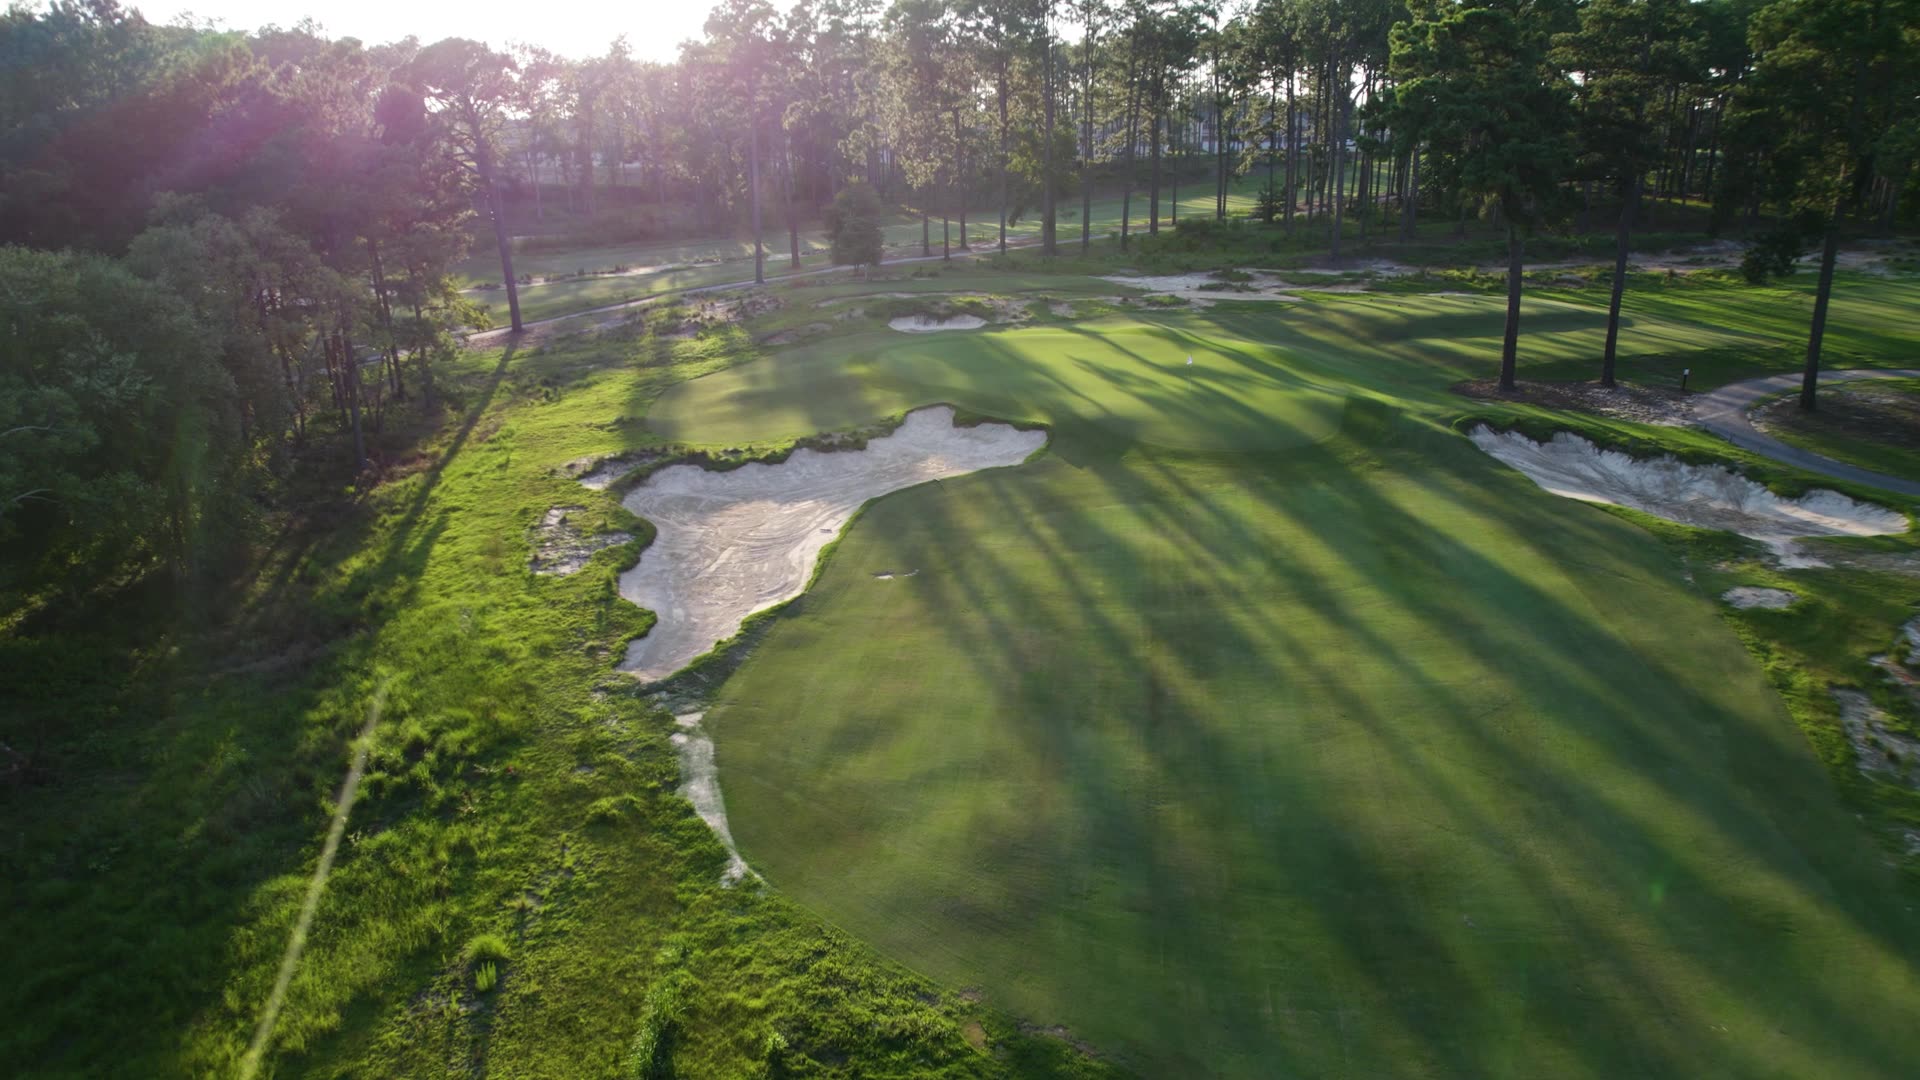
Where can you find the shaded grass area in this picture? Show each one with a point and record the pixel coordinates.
(520, 892)
(1875, 425)
(1365, 757)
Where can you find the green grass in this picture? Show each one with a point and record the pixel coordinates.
(1260, 726)
(1364, 758)
(1875, 425)
(1264, 376)
(1264, 726)
(151, 871)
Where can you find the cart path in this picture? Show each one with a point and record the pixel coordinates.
(1724, 412)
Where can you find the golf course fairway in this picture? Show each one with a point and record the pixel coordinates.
(1263, 726)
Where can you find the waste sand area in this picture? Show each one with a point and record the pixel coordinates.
(700, 785)
(1207, 287)
(1707, 496)
(1878, 749)
(733, 543)
(560, 548)
(1628, 401)
(927, 324)
(1753, 596)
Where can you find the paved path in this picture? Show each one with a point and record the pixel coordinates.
(1724, 412)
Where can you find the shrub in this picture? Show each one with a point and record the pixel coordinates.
(853, 226)
(485, 947)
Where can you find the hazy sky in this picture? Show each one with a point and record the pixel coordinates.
(576, 28)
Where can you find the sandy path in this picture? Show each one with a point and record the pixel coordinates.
(1724, 412)
(1707, 496)
(733, 543)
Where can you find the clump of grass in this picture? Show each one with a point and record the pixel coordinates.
(485, 977)
(486, 947)
(611, 808)
(651, 1057)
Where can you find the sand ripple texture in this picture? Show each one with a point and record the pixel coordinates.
(734, 543)
(1707, 496)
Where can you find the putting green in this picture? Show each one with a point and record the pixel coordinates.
(1265, 376)
(1348, 754)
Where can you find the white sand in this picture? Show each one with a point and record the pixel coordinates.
(733, 543)
(1753, 596)
(927, 324)
(700, 785)
(1707, 496)
(1205, 287)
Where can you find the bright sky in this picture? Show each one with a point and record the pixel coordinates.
(576, 28)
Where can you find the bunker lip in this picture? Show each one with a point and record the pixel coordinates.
(1706, 496)
(700, 785)
(730, 544)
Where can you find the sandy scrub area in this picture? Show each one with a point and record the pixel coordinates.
(733, 543)
(1753, 596)
(928, 324)
(560, 548)
(1627, 401)
(1205, 288)
(1707, 496)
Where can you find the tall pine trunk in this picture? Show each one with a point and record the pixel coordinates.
(753, 178)
(1828, 251)
(1153, 183)
(1293, 153)
(1048, 226)
(483, 164)
(1620, 242)
(1510, 344)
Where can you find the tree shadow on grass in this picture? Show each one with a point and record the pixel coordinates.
(1183, 814)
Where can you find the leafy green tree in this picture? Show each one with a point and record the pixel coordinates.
(119, 431)
(1474, 78)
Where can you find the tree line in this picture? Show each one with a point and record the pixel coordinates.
(222, 247)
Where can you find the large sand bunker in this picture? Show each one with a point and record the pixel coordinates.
(1707, 496)
(733, 543)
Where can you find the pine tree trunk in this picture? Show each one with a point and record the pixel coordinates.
(1510, 344)
(1048, 226)
(1006, 163)
(1620, 242)
(1153, 184)
(1410, 202)
(753, 178)
(1293, 153)
(483, 164)
(1338, 175)
(1828, 251)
